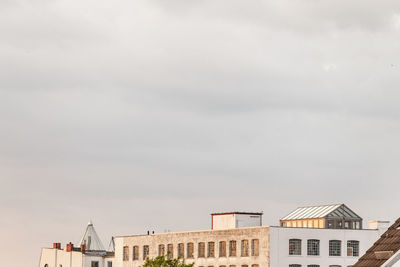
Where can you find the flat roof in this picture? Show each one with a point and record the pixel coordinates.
(237, 212)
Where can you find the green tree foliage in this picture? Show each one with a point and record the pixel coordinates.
(162, 261)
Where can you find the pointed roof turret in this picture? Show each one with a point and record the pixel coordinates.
(91, 240)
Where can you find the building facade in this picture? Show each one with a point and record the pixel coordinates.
(237, 239)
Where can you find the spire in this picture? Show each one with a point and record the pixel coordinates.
(91, 240)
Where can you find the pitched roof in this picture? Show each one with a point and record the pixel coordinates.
(386, 246)
(311, 212)
(91, 240)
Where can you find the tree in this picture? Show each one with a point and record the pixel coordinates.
(161, 261)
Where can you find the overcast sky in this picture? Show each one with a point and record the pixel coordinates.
(149, 115)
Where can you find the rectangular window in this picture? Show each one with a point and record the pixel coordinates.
(135, 253)
(202, 250)
(335, 248)
(146, 251)
(255, 247)
(190, 250)
(170, 251)
(125, 255)
(161, 250)
(245, 248)
(313, 247)
(232, 248)
(95, 264)
(109, 263)
(353, 248)
(211, 250)
(294, 246)
(181, 250)
(222, 249)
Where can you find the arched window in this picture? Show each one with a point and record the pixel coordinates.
(312, 248)
(46, 265)
(294, 246)
(353, 248)
(335, 248)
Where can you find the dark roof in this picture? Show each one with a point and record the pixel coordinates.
(386, 246)
(237, 212)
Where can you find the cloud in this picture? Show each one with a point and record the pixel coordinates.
(192, 105)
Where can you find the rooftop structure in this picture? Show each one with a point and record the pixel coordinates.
(337, 216)
(235, 219)
(91, 240)
(385, 251)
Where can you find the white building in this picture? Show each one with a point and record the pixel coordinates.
(238, 239)
(90, 253)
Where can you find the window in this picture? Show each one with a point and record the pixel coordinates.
(202, 248)
(170, 251)
(161, 250)
(222, 266)
(353, 248)
(135, 253)
(94, 264)
(313, 265)
(245, 248)
(232, 248)
(335, 248)
(294, 265)
(189, 250)
(109, 263)
(125, 253)
(222, 249)
(294, 246)
(255, 247)
(335, 266)
(146, 251)
(211, 250)
(46, 265)
(245, 265)
(312, 248)
(254, 265)
(181, 250)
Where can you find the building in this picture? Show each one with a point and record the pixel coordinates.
(385, 252)
(238, 239)
(89, 253)
(337, 216)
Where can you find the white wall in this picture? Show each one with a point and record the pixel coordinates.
(230, 221)
(279, 244)
(54, 257)
(223, 221)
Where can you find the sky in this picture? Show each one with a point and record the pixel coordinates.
(150, 115)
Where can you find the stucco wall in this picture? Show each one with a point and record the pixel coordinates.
(279, 243)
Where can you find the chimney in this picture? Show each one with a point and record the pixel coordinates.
(57, 245)
(70, 247)
(82, 248)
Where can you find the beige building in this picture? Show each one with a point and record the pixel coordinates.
(240, 247)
